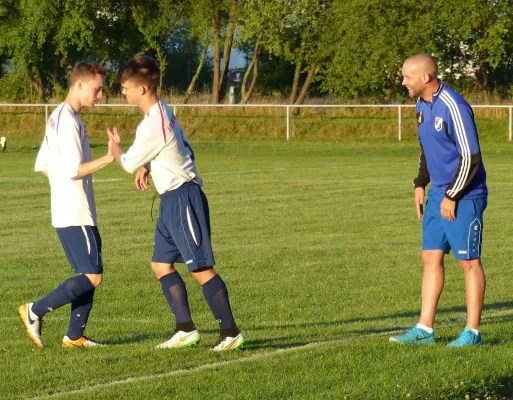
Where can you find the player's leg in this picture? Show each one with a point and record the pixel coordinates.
(91, 265)
(475, 285)
(465, 235)
(76, 245)
(432, 285)
(165, 253)
(434, 246)
(192, 236)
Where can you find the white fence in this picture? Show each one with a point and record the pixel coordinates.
(287, 108)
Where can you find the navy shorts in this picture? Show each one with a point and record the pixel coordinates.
(83, 247)
(463, 236)
(183, 228)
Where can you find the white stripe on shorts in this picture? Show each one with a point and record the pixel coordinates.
(189, 222)
(87, 240)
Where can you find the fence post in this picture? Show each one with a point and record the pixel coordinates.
(46, 113)
(288, 121)
(399, 121)
(510, 123)
(174, 109)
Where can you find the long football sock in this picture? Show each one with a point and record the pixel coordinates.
(80, 310)
(175, 292)
(216, 294)
(68, 291)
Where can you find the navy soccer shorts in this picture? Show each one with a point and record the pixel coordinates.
(183, 228)
(463, 236)
(83, 247)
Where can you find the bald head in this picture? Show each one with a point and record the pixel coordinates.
(420, 74)
(423, 63)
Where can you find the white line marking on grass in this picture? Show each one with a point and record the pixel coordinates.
(178, 372)
(108, 180)
(252, 171)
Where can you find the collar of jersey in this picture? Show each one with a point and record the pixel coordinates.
(435, 94)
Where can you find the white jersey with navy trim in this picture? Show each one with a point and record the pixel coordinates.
(64, 149)
(161, 142)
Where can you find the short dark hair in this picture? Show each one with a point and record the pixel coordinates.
(85, 70)
(142, 70)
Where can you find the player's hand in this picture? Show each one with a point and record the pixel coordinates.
(448, 209)
(419, 201)
(141, 179)
(114, 135)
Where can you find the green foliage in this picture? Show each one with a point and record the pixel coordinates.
(15, 88)
(350, 49)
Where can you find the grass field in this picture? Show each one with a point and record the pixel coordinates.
(319, 245)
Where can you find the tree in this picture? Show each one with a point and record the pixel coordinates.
(491, 41)
(300, 41)
(262, 24)
(156, 19)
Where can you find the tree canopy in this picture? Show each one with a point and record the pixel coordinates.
(350, 50)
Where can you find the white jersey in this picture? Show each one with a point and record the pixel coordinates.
(161, 142)
(64, 148)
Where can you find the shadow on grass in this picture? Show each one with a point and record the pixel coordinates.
(410, 314)
(284, 342)
(157, 335)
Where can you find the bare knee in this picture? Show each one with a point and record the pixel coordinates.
(96, 279)
(433, 259)
(471, 265)
(162, 269)
(203, 275)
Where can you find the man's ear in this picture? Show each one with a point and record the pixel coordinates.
(142, 90)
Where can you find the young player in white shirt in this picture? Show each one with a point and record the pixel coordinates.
(65, 158)
(183, 229)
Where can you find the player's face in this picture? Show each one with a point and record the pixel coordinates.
(131, 91)
(413, 80)
(91, 91)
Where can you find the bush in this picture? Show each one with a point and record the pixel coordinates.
(16, 88)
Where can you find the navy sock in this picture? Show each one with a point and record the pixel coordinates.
(80, 310)
(216, 294)
(68, 291)
(175, 292)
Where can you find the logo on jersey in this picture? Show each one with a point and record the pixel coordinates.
(420, 117)
(51, 123)
(439, 122)
(171, 125)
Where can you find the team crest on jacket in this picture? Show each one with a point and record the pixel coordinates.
(438, 123)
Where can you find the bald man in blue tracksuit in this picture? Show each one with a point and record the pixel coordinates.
(450, 160)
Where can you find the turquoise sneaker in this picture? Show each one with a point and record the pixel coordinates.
(466, 338)
(414, 336)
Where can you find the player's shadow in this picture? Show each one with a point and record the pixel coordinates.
(410, 314)
(300, 339)
(160, 336)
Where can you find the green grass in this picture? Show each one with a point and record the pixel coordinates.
(319, 245)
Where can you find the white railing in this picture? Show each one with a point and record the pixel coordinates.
(287, 108)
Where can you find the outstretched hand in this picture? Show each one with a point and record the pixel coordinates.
(114, 135)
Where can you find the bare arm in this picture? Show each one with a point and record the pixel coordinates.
(92, 166)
